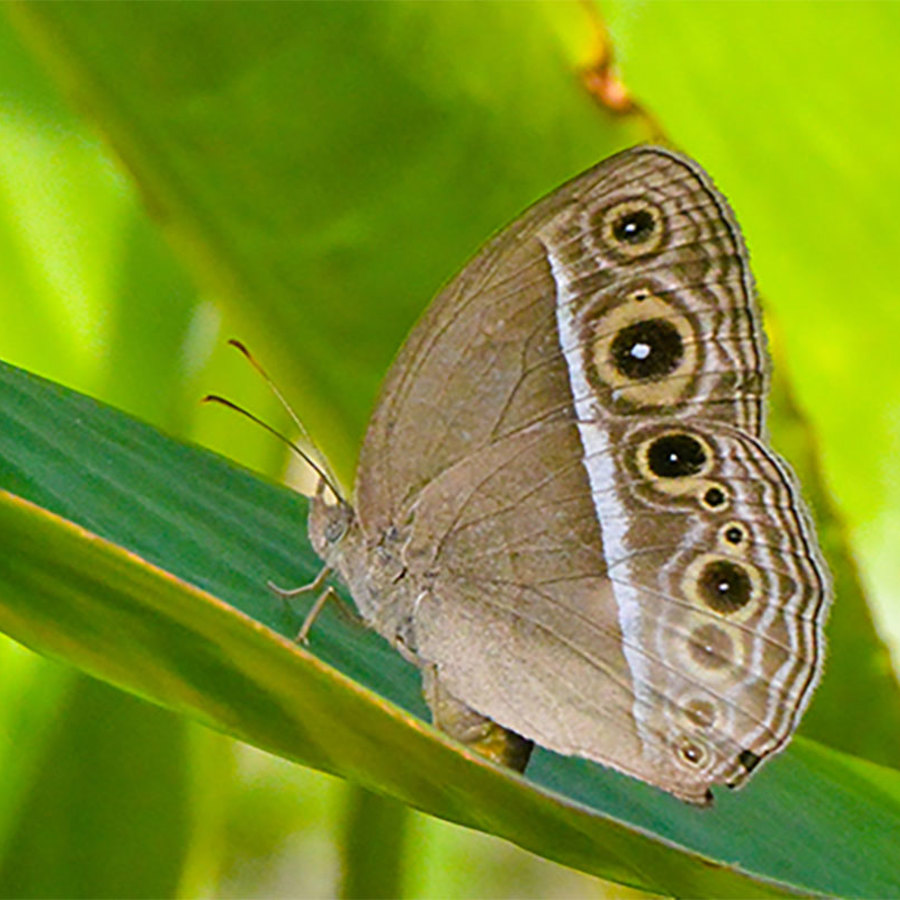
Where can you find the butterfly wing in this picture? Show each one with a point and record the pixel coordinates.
(680, 644)
(550, 542)
(485, 358)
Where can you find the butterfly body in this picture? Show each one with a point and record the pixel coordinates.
(566, 512)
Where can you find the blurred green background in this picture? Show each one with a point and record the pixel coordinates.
(370, 149)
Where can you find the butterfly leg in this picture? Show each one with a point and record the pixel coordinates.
(315, 585)
(461, 722)
(303, 634)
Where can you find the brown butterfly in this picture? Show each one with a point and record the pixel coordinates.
(566, 512)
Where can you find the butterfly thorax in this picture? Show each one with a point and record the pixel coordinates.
(372, 568)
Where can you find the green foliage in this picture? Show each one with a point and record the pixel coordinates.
(322, 168)
(186, 518)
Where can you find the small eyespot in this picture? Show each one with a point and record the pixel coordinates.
(734, 534)
(691, 752)
(701, 713)
(649, 349)
(631, 229)
(676, 456)
(724, 586)
(334, 530)
(714, 497)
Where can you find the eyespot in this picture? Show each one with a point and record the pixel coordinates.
(692, 752)
(714, 497)
(632, 228)
(701, 713)
(676, 455)
(734, 533)
(724, 586)
(334, 530)
(645, 350)
(641, 347)
(710, 647)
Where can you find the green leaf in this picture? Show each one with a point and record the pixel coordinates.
(373, 847)
(90, 827)
(181, 615)
(100, 791)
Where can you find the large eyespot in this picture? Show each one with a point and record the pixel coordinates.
(676, 455)
(672, 462)
(634, 227)
(631, 228)
(725, 586)
(649, 349)
(641, 347)
(722, 584)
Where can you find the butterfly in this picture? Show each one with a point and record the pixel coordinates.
(566, 510)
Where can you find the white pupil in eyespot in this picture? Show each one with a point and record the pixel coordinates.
(640, 351)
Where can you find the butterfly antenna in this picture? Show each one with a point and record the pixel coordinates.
(272, 386)
(215, 398)
(279, 396)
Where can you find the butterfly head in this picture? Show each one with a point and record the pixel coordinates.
(330, 519)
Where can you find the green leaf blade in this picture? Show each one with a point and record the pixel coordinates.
(230, 662)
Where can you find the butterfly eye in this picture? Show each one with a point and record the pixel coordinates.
(632, 228)
(338, 522)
